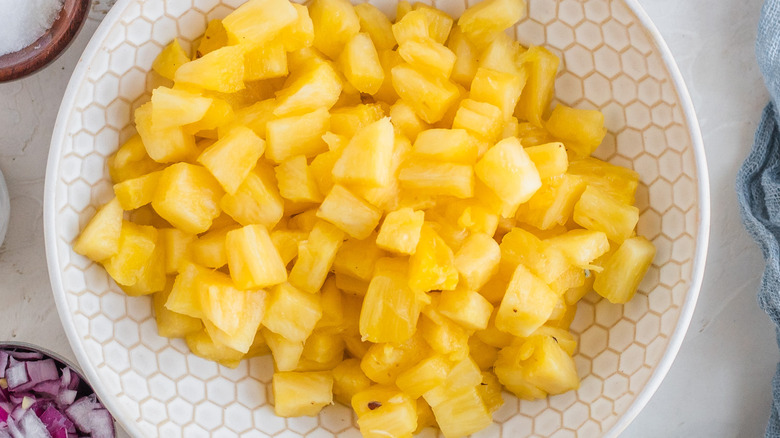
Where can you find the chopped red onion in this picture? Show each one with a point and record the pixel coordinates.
(16, 376)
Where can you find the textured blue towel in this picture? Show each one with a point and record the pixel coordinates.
(758, 185)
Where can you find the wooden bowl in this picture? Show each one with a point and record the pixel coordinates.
(49, 46)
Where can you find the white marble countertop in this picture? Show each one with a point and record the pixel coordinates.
(719, 386)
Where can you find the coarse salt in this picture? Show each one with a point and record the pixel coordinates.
(24, 21)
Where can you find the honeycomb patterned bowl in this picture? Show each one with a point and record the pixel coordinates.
(613, 59)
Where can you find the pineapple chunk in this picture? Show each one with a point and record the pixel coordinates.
(400, 231)
(169, 323)
(172, 107)
(376, 24)
(345, 122)
(265, 62)
(201, 344)
(389, 59)
(253, 260)
(170, 59)
(598, 211)
(424, 376)
(442, 334)
(624, 270)
(492, 336)
(581, 247)
(213, 38)
(412, 25)
(484, 20)
(360, 64)
(467, 308)
(480, 119)
(221, 70)
(256, 116)
(527, 304)
(390, 309)
(232, 157)
(335, 23)
(366, 157)
(315, 257)
(439, 22)
(383, 363)
(522, 247)
(219, 113)
(484, 355)
(395, 416)
(235, 314)
(164, 144)
(449, 145)
(537, 367)
(257, 200)
(508, 171)
(432, 266)
(461, 413)
(292, 313)
(581, 130)
(406, 120)
(502, 54)
(209, 249)
(428, 55)
(100, 239)
(286, 354)
(131, 161)
(185, 293)
(348, 380)
(296, 181)
(257, 22)
(619, 182)
(300, 33)
(187, 196)
(490, 391)
(176, 245)
(433, 178)
(357, 258)
(349, 213)
(550, 159)
(316, 86)
(136, 246)
(473, 216)
(322, 351)
(430, 95)
(322, 169)
(297, 135)
(477, 260)
(333, 318)
(542, 68)
(498, 88)
(465, 58)
(299, 394)
(553, 203)
(286, 242)
(303, 221)
(151, 277)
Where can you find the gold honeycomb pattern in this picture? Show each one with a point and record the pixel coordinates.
(155, 388)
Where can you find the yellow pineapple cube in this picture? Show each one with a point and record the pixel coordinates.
(349, 213)
(439, 22)
(492, 336)
(442, 334)
(221, 70)
(598, 211)
(366, 157)
(410, 26)
(477, 260)
(347, 121)
(357, 258)
(170, 59)
(257, 22)
(172, 107)
(424, 376)
(502, 55)
(508, 171)
(286, 354)
(466, 62)
(213, 38)
(176, 245)
(257, 200)
(484, 355)
(480, 119)
(360, 64)
(624, 270)
(322, 169)
(201, 344)
(253, 260)
(220, 113)
(292, 313)
(390, 309)
(449, 145)
(400, 231)
(430, 95)
(498, 88)
(348, 380)
(232, 157)
(151, 277)
(265, 62)
(466, 307)
(257, 116)
(542, 68)
(461, 412)
(431, 178)
(334, 317)
(171, 324)
(286, 242)
(335, 23)
(550, 159)
(298, 394)
(297, 135)
(432, 266)
(315, 257)
(539, 363)
(384, 412)
(136, 246)
(619, 182)
(163, 144)
(428, 55)
(388, 58)
(229, 309)
(317, 85)
(484, 20)
(383, 363)
(581, 130)
(187, 196)
(131, 161)
(453, 235)
(322, 351)
(304, 220)
(377, 25)
(521, 247)
(490, 391)
(581, 247)
(296, 181)
(471, 215)
(351, 285)
(553, 203)
(527, 304)
(406, 121)
(185, 293)
(100, 239)
(209, 249)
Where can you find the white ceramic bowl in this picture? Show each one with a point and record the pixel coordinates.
(613, 60)
(5, 208)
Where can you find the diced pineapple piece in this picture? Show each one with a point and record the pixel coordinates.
(220, 113)
(253, 260)
(424, 376)
(187, 196)
(410, 26)
(232, 157)
(315, 257)
(553, 203)
(383, 363)
(292, 313)
(571, 278)
(563, 337)
(389, 59)
(509, 172)
(377, 25)
(100, 239)
(296, 181)
(135, 247)
(619, 182)
(428, 56)
(502, 54)
(598, 211)
(433, 178)
(169, 323)
(172, 107)
(257, 200)
(335, 23)
(430, 96)
(385, 412)
(624, 270)
(449, 145)
(170, 59)
(550, 159)
(322, 351)
(213, 38)
(521, 247)
(351, 285)
(358, 257)
(209, 249)
(360, 64)
(498, 88)
(403, 8)
(466, 307)
(442, 334)
(286, 242)
(299, 394)
(538, 363)
(484, 355)
(185, 294)
(348, 380)
(151, 277)
(509, 370)
(484, 20)
(492, 335)
(256, 116)
(303, 221)
(527, 304)
(316, 86)
(390, 309)
(265, 62)
(480, 119)
(453, 235)
(461, 413)
(581, 130)
(333, 320)
(349, 213)
(286, 354)
(176, 245)
(366, 157)
(406, 120)
(347, 121)
(235, 314)
(432, 266)
(297, 135)
(490, 391)
(131, 161)
(581, 247)
(221, 70)
(465, 58)
(201, 344)
(425, 417)
(439, 22)
(542, 68)
(257, 22)
(477, 260)
(400, 231)
(165, 144)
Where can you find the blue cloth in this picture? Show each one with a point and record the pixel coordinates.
(758, 185)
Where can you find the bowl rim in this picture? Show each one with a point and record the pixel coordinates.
(661, 370)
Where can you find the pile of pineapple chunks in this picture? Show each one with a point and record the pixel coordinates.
(390, 209)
